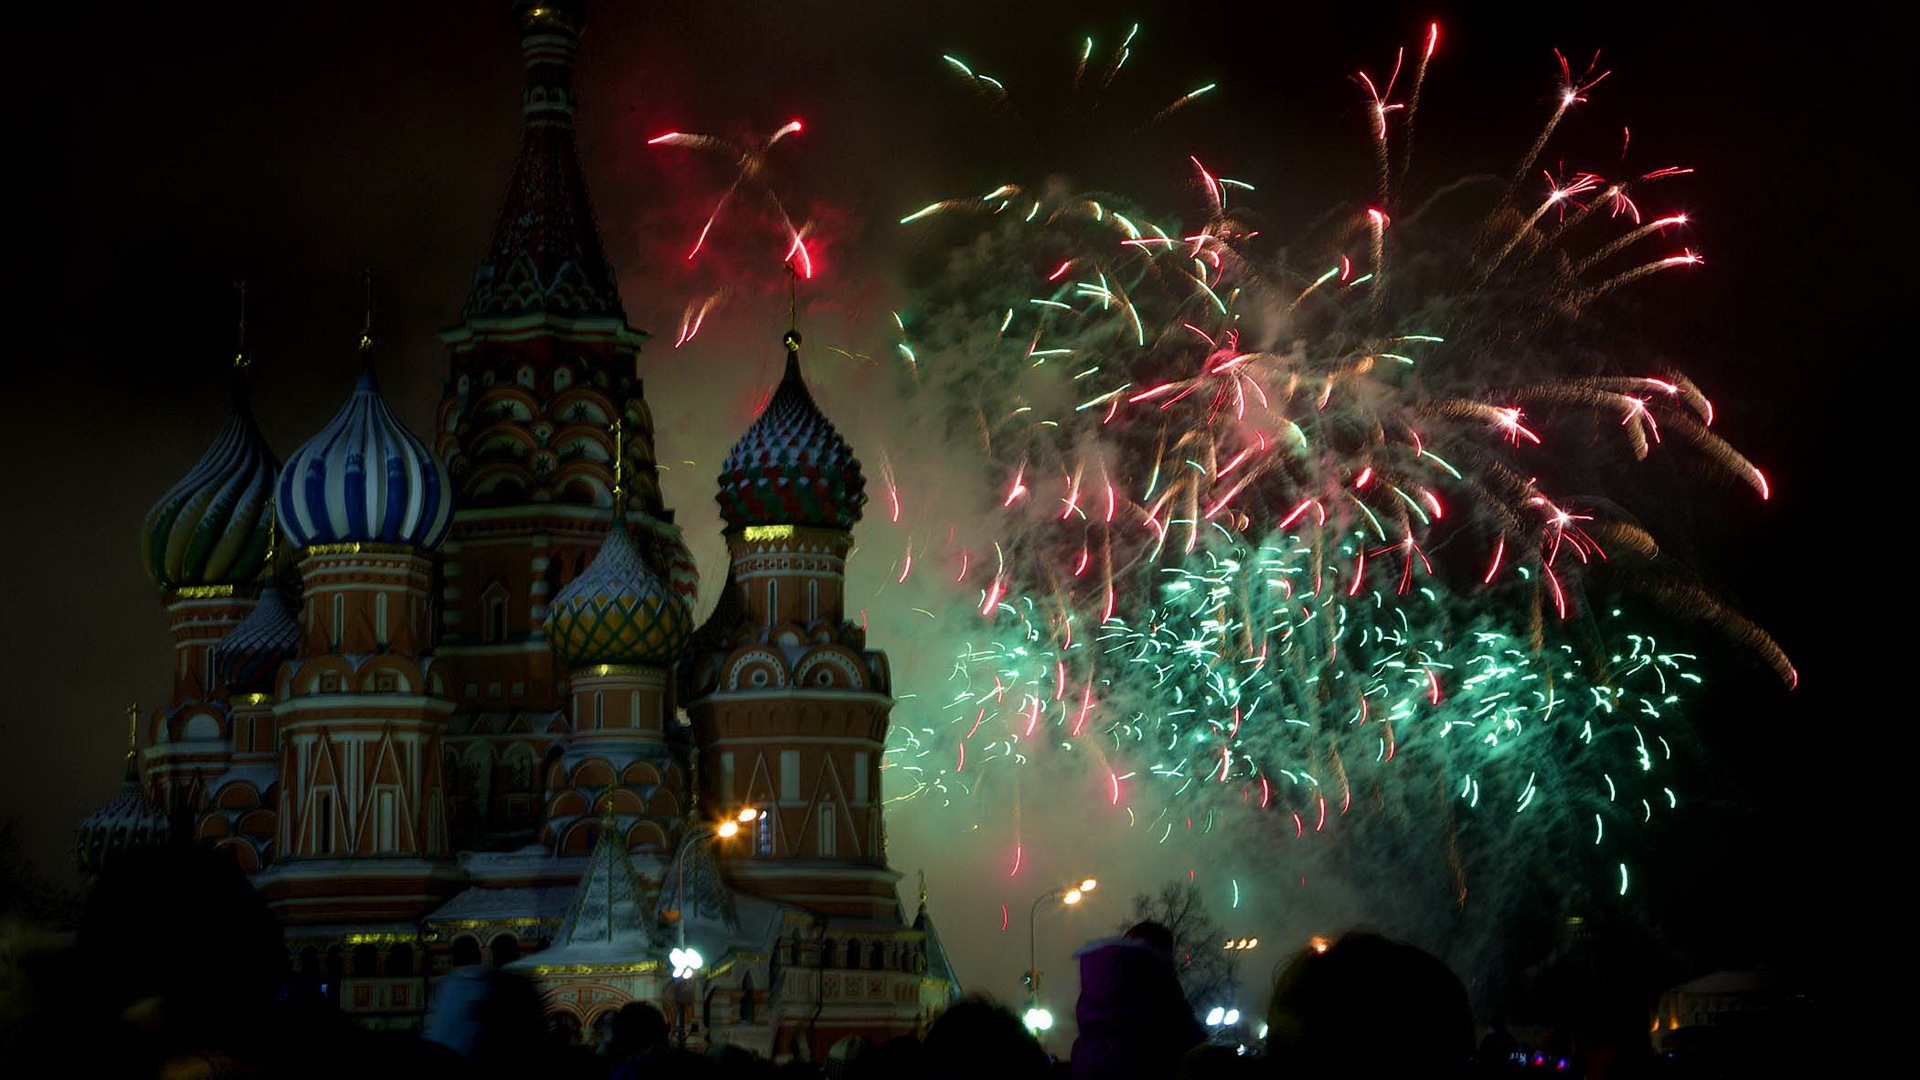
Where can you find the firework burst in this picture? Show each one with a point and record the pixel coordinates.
(1285, 543)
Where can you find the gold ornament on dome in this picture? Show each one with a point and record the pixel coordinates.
(358, 547)
(203, 592)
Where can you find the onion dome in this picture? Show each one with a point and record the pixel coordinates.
(792, 467)
(251, 653)
(215, 526)
(365, 479)
(618, 611)
(129, 821)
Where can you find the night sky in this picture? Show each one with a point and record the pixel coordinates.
(157, 153)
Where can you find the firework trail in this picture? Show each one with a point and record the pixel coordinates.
(1276, 552)
(750, 176)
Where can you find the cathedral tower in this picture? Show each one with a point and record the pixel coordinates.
(541, 365)
(619, 627)
(240, 816)
(789, 706)
(205, 544)
(362, 828)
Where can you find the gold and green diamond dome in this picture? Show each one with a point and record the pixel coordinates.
(618, 611)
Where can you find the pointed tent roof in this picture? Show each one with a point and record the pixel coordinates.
(545, 255)
(707, 894)
(939, 965)
(607, 914)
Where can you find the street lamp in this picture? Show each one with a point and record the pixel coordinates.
(1234, 947)
(728, 827)
(1066, 894)
(686, 960)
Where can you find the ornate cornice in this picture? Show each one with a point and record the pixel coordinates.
(361, 547)
(203, 592)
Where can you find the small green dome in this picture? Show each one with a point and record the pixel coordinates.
(619, 611)
(215, 526)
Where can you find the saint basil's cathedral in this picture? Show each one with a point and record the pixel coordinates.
(446, 702)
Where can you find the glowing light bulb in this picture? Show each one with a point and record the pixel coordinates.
(685, 962)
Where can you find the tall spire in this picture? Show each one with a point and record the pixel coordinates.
(619, 470)
(242, 356)
(242, 359)
(546, 256)
(366, 322)
(132, 775)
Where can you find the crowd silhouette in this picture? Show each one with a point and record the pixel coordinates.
(178, 971)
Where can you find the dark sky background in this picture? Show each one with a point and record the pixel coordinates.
(158, 152)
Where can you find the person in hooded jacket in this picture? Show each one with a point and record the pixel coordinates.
(1134, 1020)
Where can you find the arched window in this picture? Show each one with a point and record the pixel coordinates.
(496, 631)
(829, 845)
(366, 960)
(466, 951)
(763, 831)
(400, 960)
(323, 823)
(746, 998)
(505, 949)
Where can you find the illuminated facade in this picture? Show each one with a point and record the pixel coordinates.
(454, 709)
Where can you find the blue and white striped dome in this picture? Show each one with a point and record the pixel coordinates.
(365, 479)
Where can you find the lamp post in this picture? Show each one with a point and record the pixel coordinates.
(1039, 1019)
(1234, 947)
(687, 961)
